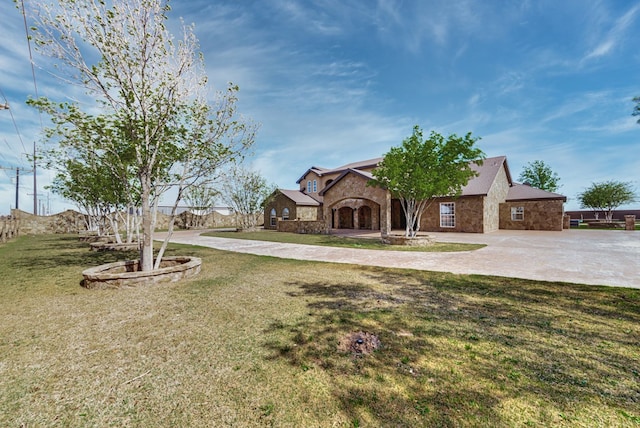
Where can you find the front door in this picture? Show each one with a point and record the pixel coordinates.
(345, 218)
(364, 217)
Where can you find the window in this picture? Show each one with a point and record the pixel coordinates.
(272, 216)
(315, 186)
(285, 214)
(517, 213)
(309, 186)
(448, 214)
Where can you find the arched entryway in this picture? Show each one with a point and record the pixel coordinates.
(345, 218)
(354, 213)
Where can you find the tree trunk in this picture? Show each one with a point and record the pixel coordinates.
(114, 226)
(146, 248)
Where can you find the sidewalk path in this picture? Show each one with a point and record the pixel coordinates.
(596, 257)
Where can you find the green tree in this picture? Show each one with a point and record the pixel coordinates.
(246, 192)
(421, 169)
(538, 174)
(151, 93)
(93, 189)
(607, 196)
(101, 182)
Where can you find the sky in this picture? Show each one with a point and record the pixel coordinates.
(332, 82)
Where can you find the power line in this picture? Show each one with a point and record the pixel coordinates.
(33, 70)
(35, 86)
(13, 119)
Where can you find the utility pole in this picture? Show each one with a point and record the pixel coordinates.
(17, 187)
(35, 186)
(17, 169)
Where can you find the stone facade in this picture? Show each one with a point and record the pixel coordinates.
(469, 215)
(373, 202)
(630, 222)
(536, 215)
(279, 203)
(317, 227)
(491, 204)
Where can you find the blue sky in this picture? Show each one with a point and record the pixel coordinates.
(333, 82)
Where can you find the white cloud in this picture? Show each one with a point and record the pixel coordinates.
(614, 36)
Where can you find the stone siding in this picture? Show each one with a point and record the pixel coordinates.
(468, 215)
(630, 222)
(317, 227)
(491, 209)
(306, 213)
(353, 190)
(280, 202)
(538, 215)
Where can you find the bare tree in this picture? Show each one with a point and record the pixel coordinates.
(246, 192)
(200, 199)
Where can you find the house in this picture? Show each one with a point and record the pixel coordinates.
(340, 198)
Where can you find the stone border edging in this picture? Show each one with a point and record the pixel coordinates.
(126, 274)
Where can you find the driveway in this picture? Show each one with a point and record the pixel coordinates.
(597, 257)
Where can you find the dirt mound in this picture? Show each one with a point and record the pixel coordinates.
(359, 343)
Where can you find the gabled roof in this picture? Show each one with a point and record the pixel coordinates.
(487, 173)
(524, 192)
(369, 163)
(367, 175)
(299, 198)
(317, 169)
(479, 185)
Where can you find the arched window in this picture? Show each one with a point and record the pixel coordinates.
(272, 217)
(285, 214)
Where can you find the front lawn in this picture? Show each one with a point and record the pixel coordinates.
(259, 341)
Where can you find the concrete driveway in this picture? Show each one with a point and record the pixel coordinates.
(597, 257)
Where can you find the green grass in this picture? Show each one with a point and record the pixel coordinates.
(585, 226)
(253, 341)
(340, 241)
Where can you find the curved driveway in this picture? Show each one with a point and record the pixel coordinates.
(597, 257)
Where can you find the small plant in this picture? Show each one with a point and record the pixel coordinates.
(267, 409)
(305, 367)
(514, 375)
(422, 406)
